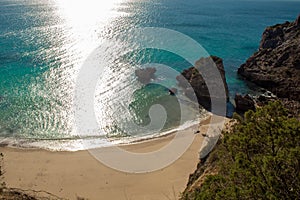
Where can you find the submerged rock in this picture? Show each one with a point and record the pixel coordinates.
(145, 75)
(276, 65)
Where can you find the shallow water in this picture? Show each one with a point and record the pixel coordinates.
(43, 44)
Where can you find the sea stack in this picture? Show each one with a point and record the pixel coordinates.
(194, 85)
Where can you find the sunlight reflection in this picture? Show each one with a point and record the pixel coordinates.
(81, 24)
(86, 19)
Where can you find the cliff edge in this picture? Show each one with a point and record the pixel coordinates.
(276, 65)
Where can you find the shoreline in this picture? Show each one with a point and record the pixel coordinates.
(78, 143)
(78, 174)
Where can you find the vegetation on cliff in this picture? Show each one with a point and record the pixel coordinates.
(258, 159)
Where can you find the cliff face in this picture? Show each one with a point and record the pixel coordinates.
(276, 65)
(197, 85)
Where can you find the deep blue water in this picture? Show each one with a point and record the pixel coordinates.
(42, 43)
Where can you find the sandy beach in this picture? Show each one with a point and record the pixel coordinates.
(78, 174)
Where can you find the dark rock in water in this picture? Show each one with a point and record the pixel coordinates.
(145, 75)
(172, 91)
(244, 103)
(276, 65)
(193, 82)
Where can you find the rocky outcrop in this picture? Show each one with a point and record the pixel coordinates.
(244, 103)
(263, 99)
(276, 65)
(251, 102)
(145, 75)
(193, 83)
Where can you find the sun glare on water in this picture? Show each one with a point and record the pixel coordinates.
(81, 24)
(86, 11)
(87, 18)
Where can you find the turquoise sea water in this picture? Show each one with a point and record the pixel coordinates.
(44, 42)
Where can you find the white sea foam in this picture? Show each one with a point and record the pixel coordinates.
(77, 144)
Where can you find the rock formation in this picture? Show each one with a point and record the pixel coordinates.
(193, 82)
(276, 65)
(145, 75)
(244, 103)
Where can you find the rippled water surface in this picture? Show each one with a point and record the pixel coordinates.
(44, 43)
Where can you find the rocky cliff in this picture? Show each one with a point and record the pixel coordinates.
(276, 65)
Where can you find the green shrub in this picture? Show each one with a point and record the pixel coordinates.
(259, 159)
